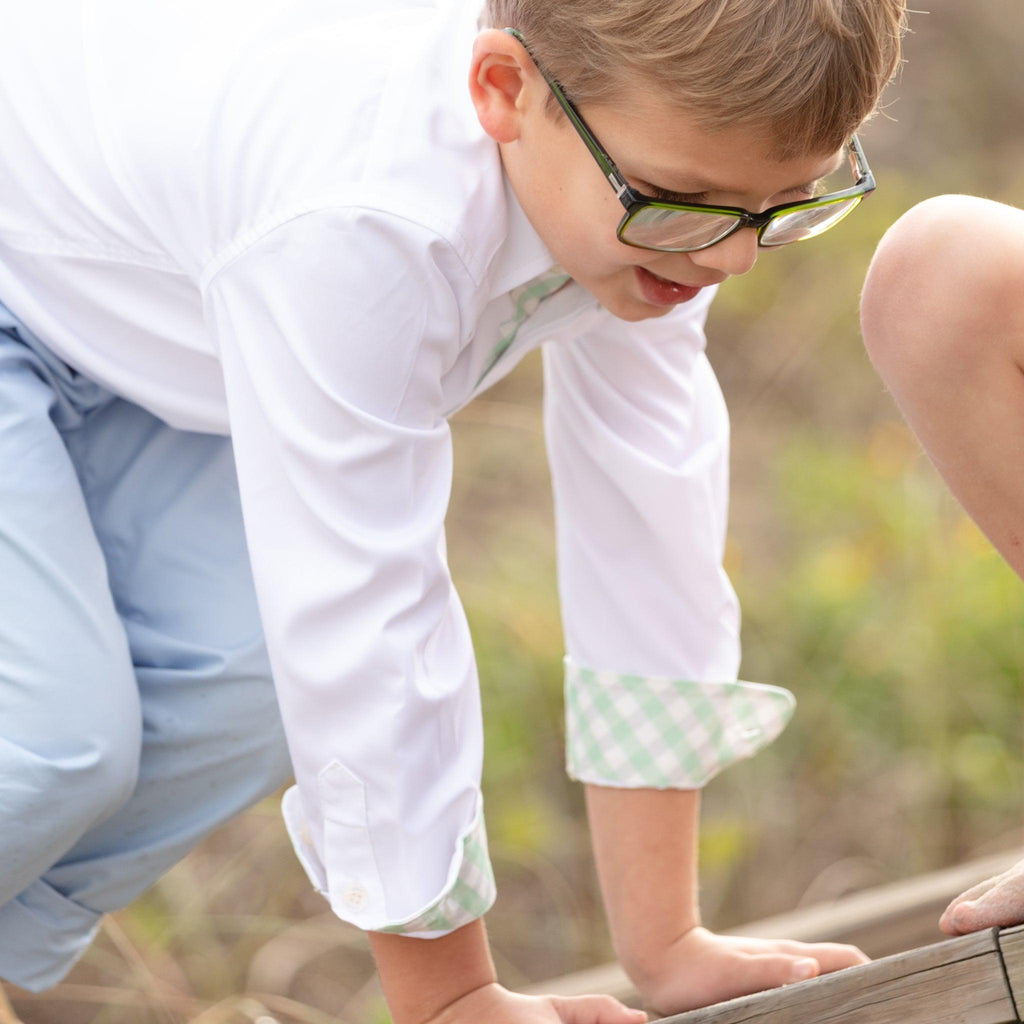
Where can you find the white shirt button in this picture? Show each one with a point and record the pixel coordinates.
(355, 896)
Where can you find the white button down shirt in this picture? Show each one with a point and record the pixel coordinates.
(280, 219)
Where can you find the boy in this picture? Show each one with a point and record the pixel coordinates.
(288, 222)
(943, 321)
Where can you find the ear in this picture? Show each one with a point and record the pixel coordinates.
(498, 83)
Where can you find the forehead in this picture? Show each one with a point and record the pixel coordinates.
(665, 146)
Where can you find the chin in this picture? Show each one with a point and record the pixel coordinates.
(633, 309)
(617, 295)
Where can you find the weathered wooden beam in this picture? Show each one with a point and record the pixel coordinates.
(1011, 945)
(961, 981)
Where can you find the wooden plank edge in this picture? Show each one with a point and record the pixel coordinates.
(1011, 954)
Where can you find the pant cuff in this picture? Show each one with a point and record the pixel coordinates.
(42, 934)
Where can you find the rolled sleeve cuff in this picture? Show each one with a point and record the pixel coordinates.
(634, 731)
(468, 893)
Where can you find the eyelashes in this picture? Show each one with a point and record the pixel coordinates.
(674, 197)
(808, 191)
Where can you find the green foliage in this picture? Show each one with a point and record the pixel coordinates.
(900, 621)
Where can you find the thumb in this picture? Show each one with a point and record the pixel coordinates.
(595, 1010)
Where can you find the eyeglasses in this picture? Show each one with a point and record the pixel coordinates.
(652, 223)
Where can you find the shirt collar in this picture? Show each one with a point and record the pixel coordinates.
(522, 255)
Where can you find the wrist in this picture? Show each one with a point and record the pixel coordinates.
(651, 963)
(473, 1006)
(421, 978)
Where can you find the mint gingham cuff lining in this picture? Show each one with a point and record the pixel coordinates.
(646, 731)
(469, 895)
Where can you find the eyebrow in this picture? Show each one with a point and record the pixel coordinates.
(701, 185)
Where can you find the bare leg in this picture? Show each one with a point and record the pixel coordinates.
(943, 321)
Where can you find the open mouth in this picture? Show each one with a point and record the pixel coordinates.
(659, 291)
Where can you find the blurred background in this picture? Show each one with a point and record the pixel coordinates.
(865, 591)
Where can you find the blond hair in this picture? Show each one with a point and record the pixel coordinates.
(810, 72)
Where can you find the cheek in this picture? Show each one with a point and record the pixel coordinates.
(582, 215)
(592, 214)
(604, 249)
(587, 241)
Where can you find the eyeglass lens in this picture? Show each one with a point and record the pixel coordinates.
(675, 229)
(659, 228)
(654, 227)
(801, 224)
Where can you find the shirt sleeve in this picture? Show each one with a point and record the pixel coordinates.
(334, 330)
(638, 442)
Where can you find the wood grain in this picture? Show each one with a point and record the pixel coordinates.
(1011, 945)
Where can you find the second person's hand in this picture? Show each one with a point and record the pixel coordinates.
(994, 903)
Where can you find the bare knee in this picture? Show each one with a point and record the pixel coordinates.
(947, 277)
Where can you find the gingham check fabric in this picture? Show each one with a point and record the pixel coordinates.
(636, 731)
(469, 896)
(526, 300)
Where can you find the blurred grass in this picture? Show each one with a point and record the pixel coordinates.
(865, 590)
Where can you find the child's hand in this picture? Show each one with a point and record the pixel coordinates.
(495, 1005)
(994, 903)
(701, 968)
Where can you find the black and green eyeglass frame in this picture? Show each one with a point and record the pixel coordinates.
(652, 223)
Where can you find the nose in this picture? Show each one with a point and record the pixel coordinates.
(734, 255)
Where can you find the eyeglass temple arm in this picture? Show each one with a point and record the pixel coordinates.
(860, 161)
(612, 173)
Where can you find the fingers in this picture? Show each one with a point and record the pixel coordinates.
(831, 956)
(997, 907)
(946, 922)
(770, 970)
(724, 967)
(982, 887)
(784, 963)
(595, 1010)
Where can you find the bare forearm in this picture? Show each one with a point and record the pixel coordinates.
(420, 977)
(645, 845)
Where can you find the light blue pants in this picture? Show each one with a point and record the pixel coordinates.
(136, 707)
